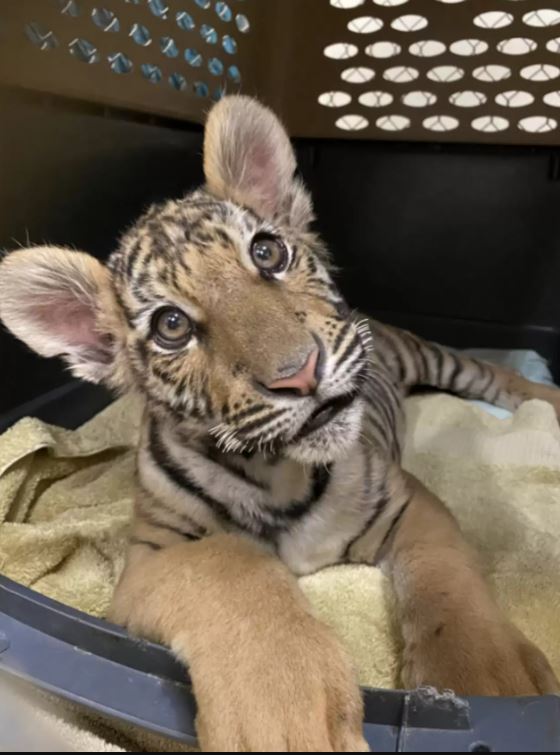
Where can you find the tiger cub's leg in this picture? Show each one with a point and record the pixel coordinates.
(455, 636)
(267, 676)
(413, 361)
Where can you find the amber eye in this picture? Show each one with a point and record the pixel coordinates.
(171, 328)
(269, 254)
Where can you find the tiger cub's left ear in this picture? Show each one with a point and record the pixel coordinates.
(59, 302)
(248, 159)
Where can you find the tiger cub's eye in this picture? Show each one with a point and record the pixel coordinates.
(269, 254)
(171, 328)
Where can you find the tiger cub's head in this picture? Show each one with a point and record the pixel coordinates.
(218, 307)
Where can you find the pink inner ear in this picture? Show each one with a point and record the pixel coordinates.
(69, 320)
(262, 174)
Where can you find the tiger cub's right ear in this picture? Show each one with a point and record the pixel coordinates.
(60, 303)
(248, 159)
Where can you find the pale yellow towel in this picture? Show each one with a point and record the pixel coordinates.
(65, 499)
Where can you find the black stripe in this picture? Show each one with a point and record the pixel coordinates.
(261, 422)
(373, 419)
(281, 518)
(152, 519)
(457, 369)
(392, 342)
(381, 406)
(241, 474)
(148, 543)
(423, 369)
(355, 343)
(182, 480)
(394, 522)
(319, 484)
(248, 412)
(378, 510)
(341, 335)
(132, 256)
(489, 381)
(439, 356)
(168, 527)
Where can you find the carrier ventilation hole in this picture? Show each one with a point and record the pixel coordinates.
(365, 25)
(492, 73)
(418, 99)
(120, 63)
(229, 44)
(375, 99)
(409, 23)
(493, 19)
(514, 98)
(204, 4)
(168, 47)
(468, 47)
(234, 74)
(215, 66)
(383, 50)
(151, 73)
(105, 19)
(42, 38)
(242, 23)
(178, 82)
(440, 123)
(552, 99)
(346, 4)
(390, 3)
(340, 51)
(517, 46)
(193, 57)
(159, 8)
(201, 89)
(357, 75)
(445, 74)
(537, 124)
(84, 51)
(335, 99)
(553, 45)
(392, 122)
(427, 48)
(467, 98)
(184, 20)
(540, 72)
(141, 35)
(209, 34)
(400, 74)
(223, 12)
(542, 18)
(69, 8)
(490, 124)
(352, 122)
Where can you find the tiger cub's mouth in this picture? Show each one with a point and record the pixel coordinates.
(325, 413)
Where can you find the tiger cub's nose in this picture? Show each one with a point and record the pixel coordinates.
(304, 381)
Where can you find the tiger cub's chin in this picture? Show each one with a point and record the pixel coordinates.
(332, 441)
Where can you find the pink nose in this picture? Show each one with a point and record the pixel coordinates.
(303, 382)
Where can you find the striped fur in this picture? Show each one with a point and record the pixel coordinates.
(221, 453)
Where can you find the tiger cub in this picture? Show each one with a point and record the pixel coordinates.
(271, 447)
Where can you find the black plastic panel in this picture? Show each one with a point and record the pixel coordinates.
(461, 244)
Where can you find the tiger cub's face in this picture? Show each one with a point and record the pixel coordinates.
(219, 307)
(234, 321)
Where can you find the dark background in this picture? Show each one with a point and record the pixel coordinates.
(459, 243)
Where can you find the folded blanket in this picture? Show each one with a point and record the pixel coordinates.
(66, 500)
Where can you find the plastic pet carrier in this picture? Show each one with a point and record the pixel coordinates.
(428, 132)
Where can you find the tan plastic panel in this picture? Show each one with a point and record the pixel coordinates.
(430, 70)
